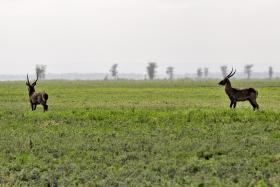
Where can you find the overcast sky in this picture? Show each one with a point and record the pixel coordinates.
(90, 35)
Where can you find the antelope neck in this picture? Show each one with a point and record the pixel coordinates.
(228, 86)
(31, 92)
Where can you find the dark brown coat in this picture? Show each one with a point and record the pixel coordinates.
(236, 95)
(36, 98)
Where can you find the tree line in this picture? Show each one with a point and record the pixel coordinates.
(200, 73)
(151, 71)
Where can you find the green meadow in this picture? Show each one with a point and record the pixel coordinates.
(139, 133)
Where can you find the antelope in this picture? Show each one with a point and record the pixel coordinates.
(236, 95)
(36, 98)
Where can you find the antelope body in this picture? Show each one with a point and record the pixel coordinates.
(235, 95)
(36, 98)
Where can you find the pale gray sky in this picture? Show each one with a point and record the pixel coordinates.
(90, 35)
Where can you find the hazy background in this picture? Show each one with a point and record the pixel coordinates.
(87, 36)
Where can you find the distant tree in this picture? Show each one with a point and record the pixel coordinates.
(248, 70)
(170, 72)
(224, 70)
(151, 70)
(206, 72)
(199, 73)
(270, 72)
(105, 78)
(114, 71)
(41, 71)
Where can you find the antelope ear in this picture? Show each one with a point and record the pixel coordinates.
(34, 84)
(27, 84)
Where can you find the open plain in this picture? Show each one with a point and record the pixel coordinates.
(139, 133)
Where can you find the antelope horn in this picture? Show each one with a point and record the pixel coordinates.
(36, 79)
(232, 73)
(27, 82)
(229, 75)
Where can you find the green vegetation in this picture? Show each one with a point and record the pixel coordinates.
(139, 133)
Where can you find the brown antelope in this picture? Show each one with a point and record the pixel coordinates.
(236, 95)
(36, 98)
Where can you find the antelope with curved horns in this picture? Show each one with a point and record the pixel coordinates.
(236, 95)
(36, 98)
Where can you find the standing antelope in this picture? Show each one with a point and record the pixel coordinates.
(236, 95)
(36, 98)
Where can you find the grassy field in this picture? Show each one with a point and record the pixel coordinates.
(139, 133)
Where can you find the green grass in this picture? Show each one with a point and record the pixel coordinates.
(139, 133)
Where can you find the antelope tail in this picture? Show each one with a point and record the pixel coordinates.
(252, 90)
(45, 97)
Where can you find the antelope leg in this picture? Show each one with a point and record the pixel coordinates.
(231, 103)
(234, 104)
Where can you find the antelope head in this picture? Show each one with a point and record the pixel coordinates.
(226, 79)
(31, 88)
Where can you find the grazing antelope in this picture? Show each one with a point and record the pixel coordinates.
(236, 95)
(36, 98)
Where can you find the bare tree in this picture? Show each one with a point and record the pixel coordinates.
(248, 70)
(199, 73)
(270, 72)
(114, 71)
(206, 72)
(170, 72)
(151, 70)
(41, 71)
(224, 70)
